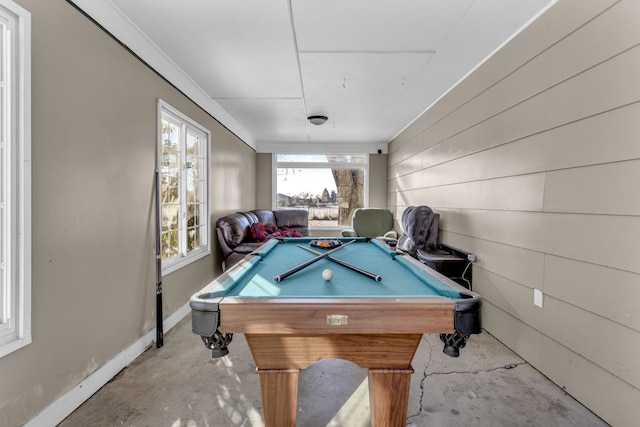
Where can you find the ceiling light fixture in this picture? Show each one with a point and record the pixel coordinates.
(317, 120)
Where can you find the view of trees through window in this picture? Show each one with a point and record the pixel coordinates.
(183, 175)
(330, 186)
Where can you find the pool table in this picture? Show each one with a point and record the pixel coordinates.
(374, 317)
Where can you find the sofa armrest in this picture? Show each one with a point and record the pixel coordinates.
(222, 243)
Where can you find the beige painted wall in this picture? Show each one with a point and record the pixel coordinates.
(533, 162)
(264, 181)
(93, 149)
(378, 180)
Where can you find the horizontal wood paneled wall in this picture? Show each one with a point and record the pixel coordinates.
(533, 162)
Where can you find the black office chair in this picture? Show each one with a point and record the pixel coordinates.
(420, 240)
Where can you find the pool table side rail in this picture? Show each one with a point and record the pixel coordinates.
(468, 308)
(337, 316)
(205, 304)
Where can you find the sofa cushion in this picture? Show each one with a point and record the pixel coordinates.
(251, 217)
(247, 247)
(234, 228)
(295, 219)
(265, 217)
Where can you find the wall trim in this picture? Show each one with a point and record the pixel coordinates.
(70, 401)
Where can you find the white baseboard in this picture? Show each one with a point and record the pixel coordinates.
(70, 401)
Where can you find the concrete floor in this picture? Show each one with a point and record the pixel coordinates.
(179, 385)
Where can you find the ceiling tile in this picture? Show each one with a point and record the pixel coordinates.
(270, 119)
(375, 25)
(240, 48)
(357, 90)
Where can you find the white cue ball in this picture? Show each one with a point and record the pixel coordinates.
(327, 274)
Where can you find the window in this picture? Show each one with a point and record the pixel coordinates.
(184, 176)
(15, 177)
(330, 186)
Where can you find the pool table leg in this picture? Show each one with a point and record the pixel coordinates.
(279, 389)
(389, 396)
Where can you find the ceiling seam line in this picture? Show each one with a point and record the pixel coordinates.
(258, 98)
(373, 52)
(295, 46)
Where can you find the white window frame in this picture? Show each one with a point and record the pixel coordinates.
(315, 165)
(184, 257)
(15, 179)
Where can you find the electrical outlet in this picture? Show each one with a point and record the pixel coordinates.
(537, 298)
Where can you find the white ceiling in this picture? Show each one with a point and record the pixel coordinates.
(262, 66)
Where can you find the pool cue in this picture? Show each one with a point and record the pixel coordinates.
(362, 271)
(159, 326)
(294, 270)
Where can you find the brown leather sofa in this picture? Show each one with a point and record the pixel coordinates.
(234, 230)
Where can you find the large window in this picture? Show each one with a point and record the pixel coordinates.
(15, 177)
(330, 186)
(184, 175)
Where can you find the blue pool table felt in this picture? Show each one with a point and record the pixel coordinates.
(400, 277)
